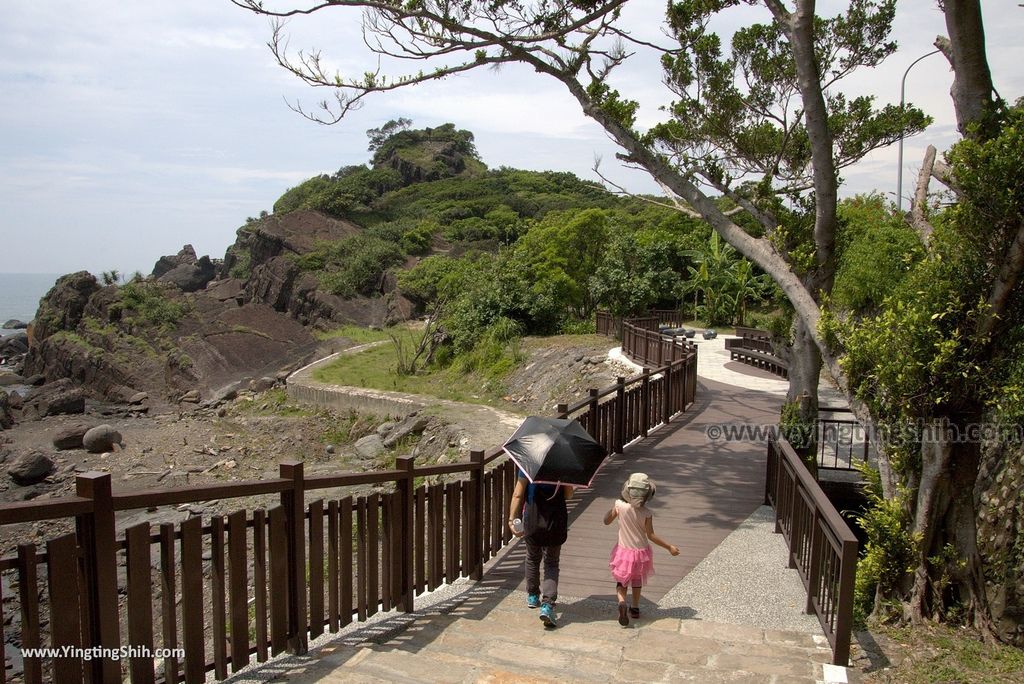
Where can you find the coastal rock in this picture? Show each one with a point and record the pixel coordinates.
(191, 397)
(100, 439)
(30, 468)
(70, 437)
(15, 324)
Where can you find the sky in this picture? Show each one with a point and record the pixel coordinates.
(130, 129)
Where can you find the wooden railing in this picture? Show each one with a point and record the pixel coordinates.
(821, 546)
(843, 443)
(609, 325)
(252, 584)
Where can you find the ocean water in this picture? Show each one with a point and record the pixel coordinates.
(20, 294)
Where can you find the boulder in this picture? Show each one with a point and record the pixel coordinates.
(370, 447)
(138, 398)
(186, 256)
(12, 345)
(15, 401)
(262, 384)
(384, 428)
(15, 324)
(191, 397)
(709, 334)
(100, 439)
(30, 468)
(8, 378)
(410, 425)
(35, 380)
(6, 417)
(70, 437)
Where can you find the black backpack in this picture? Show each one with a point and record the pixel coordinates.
(545, 517)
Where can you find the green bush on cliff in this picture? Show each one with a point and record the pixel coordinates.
(142, 302)
(354, 266)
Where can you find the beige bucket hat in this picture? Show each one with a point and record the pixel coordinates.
(639, 489)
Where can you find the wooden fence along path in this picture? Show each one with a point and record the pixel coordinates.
(256, 583)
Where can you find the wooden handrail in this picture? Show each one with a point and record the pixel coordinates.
(314, 564)
(822, 548)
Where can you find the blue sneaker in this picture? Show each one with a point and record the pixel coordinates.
(547, 615)
(533, 600)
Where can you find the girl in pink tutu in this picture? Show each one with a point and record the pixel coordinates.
(632, 562)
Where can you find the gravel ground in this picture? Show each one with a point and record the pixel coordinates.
(746, 581)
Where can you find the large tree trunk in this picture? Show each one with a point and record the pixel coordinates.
(949, 565)
(965, 50)
(804, 375)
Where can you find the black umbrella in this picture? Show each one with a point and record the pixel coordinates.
(553, 450)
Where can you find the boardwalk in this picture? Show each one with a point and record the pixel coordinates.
(705, 490)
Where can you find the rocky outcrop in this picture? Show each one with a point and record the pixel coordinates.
(14, 324)
(297, 232)
(191, 277)
(64, 304)
(62, 397)
(186, 257)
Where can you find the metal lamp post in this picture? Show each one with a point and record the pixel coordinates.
(903, 89)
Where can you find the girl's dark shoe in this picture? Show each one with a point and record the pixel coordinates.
(634, 613)
(623, 617)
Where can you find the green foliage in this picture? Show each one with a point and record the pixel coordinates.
(496, 353)
(353, 266)
(417, 145)
(147, 303)
(876, 249)
(889, 553)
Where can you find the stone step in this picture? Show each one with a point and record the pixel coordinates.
(499, 640)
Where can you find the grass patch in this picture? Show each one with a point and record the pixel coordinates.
(356, 333)
(939, 653)
(350, 427)
(376, 368)
(275, 402)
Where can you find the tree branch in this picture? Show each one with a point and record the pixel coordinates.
(917, 217)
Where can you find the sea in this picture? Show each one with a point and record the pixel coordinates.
(20, 294)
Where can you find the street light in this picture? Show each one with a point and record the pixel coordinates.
(903, 89)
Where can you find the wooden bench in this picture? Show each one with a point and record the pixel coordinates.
(765, 360)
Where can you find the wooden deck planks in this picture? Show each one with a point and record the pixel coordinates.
(705, 490)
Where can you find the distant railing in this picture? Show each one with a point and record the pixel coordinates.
(821, 546)
(607, 324)
(843, 443)
(315, 566)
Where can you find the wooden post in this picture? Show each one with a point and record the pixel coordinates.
(666, 411)
(844, 611)
(592, 415)
(645, 402)
(562, 410)
(620, 413)
(407, 467)
(293, 502)
(98, 538)
(475, 533)
(814, 569)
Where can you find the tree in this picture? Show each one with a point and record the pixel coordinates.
(765, 124)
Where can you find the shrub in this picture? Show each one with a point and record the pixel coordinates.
(148, 302)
